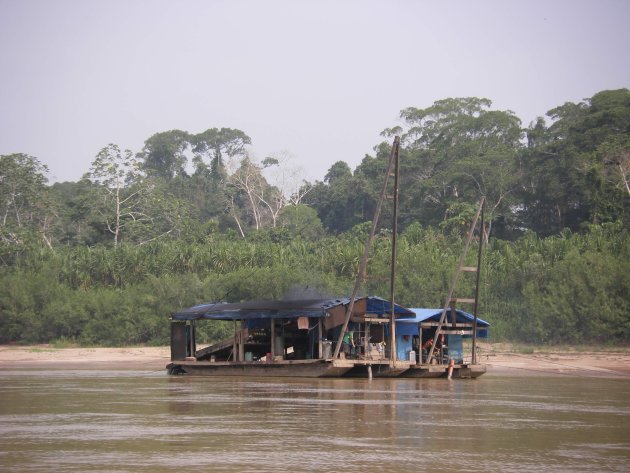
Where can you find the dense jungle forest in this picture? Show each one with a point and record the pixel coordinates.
(193, 218)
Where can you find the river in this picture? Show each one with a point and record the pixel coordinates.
(131, 421)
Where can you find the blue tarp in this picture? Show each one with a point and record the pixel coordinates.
(283, 309)
(409, 326)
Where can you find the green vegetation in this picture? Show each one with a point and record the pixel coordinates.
(105, 260)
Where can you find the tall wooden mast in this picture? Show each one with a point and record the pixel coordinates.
(392, 170)
(392, 317)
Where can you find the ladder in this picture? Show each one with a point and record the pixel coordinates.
(451, 301)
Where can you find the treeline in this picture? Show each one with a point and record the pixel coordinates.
(571, 288)
(192, 218)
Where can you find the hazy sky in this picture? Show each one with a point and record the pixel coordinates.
(317, 79)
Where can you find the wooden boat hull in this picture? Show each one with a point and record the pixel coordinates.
(471, 371)
(322, 369)
(441, 371)
(286, 369)
(385, 369)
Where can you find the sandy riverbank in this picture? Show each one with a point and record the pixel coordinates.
(501, 360)
(508, 360)
(48, 357)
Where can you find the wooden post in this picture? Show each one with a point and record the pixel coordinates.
(273, 339)
(366, 339)
(320, 333)
(192, 346)
(235, 345)
(241, 346)
(284, 345)
(420, 343)
(451, 365)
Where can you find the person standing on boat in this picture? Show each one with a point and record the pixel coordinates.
(347, 344)
(426, 346)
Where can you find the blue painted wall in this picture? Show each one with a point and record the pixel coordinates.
(455, 347)
(403, 346)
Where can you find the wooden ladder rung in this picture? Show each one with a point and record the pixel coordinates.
(470, 269)
(463, 300)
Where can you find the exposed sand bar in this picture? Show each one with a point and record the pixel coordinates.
(47, 357)
(505, 360)
(501, 360)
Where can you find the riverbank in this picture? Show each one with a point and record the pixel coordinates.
(506, 359)
(97, 358)
(501, 359)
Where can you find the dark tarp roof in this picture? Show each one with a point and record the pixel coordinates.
(282, 309)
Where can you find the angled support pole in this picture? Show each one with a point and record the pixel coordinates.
(458, 271)
(482, 237)
(368, 244)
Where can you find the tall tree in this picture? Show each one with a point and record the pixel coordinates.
(339, 170)
(302, 222)
(288, 178)
(264, 202)
(341, 201)
(163, 153)
(616, 154)
(217, 144)
(455, 151)
(78, 223)
(119, 180)
(573, 170)
(132, 205)
(25, 209)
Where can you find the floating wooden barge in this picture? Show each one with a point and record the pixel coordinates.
(298, 339)
(367, 336)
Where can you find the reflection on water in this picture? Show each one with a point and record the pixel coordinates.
(136, 422)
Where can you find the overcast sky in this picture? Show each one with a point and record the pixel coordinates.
(316, 79)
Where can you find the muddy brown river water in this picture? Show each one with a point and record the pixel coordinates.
(132, 421)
